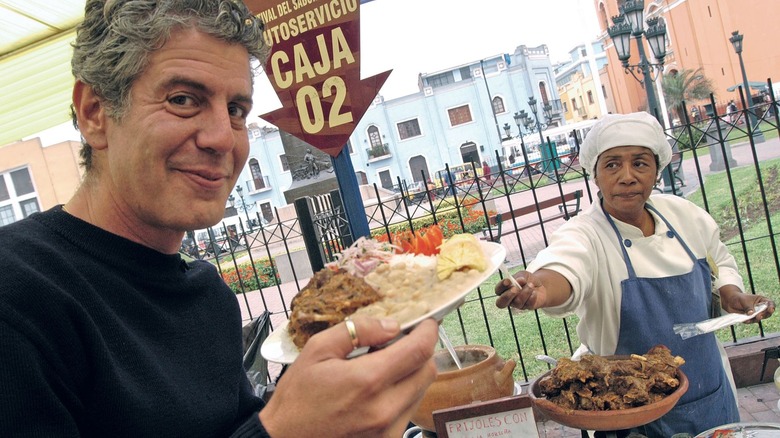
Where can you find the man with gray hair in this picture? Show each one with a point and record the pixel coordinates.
(104, 330)
(633, 265)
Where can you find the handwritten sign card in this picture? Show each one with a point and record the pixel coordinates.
(503, 417)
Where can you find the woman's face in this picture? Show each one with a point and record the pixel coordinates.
(626, 176)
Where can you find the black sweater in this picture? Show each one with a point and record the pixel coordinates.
(103, 337)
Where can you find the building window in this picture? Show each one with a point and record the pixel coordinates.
(465, 73)
(574, 104)
(590, 97)
(17, 196)
(409, 129)
(285, 164)
(565, 107)
(22, 182)
(441, 79)
(257, 174)
(29, 206)
(604, 91)
(4, 195)
(7, 215)
(498, 105)
(459, 115)
(374, 137)
(543, 92)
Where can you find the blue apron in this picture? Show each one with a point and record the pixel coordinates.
(649, 309)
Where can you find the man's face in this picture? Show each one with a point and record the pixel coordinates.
(626, 176)
(173, 159)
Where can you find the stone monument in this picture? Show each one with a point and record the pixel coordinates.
(311, 169)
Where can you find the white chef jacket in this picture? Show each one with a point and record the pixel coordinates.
(586, 251)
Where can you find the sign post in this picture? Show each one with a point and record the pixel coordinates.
(314, 68)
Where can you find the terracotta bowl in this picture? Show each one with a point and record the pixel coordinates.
(484, 376)
(606, 420)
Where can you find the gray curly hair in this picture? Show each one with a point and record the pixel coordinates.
(114, 42)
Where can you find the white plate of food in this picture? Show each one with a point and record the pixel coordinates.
(428, 302)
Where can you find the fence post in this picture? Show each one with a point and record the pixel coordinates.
(342, 223)
(304, 209)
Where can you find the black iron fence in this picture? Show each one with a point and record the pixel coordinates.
(724, 165)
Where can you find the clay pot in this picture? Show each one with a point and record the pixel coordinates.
(484, 376)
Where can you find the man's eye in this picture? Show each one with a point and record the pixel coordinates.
(237, 111)
(182, 100)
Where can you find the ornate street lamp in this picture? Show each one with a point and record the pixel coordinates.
(736, 40)
(547, 155)
(243, 207)
(547, 109)
(630, 23)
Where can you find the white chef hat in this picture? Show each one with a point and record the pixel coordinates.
(614, 130)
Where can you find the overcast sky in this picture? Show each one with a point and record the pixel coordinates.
(425, 36)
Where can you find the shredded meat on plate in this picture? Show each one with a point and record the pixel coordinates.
(596, 383)
(328, 298)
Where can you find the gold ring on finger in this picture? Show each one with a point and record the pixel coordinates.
(352, 333)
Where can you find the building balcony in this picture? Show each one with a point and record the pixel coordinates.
(557, 108)
(378, 152)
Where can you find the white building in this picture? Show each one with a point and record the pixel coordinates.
(458, 116)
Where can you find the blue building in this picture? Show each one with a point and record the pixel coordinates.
(459, 116)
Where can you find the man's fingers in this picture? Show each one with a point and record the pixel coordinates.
(341, 339)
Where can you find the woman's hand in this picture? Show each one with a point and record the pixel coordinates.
(543, 288)
(531, 294)
(735, 301)
(325, 394)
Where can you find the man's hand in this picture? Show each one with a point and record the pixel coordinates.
(325, 394)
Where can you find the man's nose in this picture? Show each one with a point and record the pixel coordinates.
(217, 133)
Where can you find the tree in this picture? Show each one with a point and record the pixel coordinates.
(685, 86)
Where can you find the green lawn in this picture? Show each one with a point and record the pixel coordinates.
(757, 253)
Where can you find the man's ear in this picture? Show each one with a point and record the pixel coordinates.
(91, 114)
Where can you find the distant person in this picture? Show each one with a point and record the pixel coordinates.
(769, 104)
(449, 186)
(572, 142)
(431, 188)
(486, 171)
(695, 115)
(732, 112)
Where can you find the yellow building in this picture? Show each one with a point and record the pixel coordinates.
(35, 178)
(698, 33)
(583, 94)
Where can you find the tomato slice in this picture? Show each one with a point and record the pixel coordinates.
(425, 242)
(436, 237)
(424, 245)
